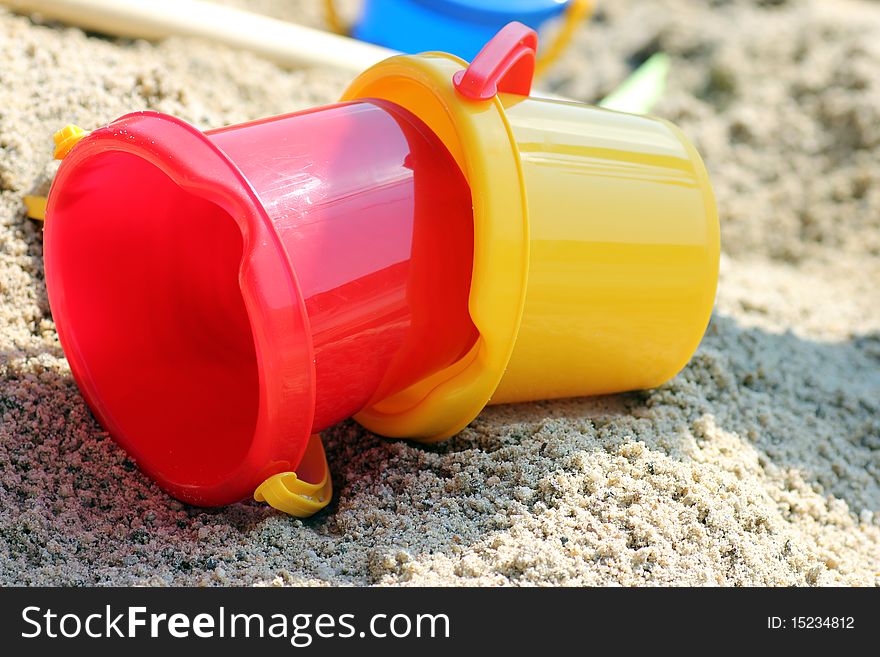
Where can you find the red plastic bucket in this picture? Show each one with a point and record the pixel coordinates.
(221, 296)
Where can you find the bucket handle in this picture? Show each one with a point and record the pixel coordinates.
(288, 493)
(576, 11)
(65, 139)
(506, 64)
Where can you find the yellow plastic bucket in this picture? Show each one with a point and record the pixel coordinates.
(596, 239)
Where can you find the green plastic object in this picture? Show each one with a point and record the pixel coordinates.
(640, 91)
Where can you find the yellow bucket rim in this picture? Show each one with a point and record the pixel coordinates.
(478, 136)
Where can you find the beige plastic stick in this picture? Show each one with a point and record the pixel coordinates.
(285, 43)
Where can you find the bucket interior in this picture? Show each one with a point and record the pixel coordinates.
(155, 325)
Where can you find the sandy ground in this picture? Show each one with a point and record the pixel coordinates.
(758, 464)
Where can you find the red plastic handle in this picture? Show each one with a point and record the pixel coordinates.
(505, 64)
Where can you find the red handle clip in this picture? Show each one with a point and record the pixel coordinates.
(505, 64)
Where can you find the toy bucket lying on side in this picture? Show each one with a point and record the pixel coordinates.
(436, 242)
(460, 27)
(222, 296)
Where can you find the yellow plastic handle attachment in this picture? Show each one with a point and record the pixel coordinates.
(65, 139)
(36, 207)
(576, 11)
(295, 496)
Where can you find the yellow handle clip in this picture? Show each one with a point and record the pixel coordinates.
(65, 139)
(287, 492)
(36, 207)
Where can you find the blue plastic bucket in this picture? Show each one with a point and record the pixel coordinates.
(460, 27)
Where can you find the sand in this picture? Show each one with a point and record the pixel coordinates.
(758, 465)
